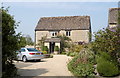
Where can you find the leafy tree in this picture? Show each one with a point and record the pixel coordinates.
(29, 40)
(22, 41)
(107, 40)
(10, 43)
(64, 42)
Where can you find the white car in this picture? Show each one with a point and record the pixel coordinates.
(25, 54)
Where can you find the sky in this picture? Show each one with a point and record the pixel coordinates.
(29, 13)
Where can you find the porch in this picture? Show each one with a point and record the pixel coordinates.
(51, 43)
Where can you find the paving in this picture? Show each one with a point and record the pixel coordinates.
(56, 66)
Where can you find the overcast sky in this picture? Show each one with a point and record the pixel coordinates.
(29, 13)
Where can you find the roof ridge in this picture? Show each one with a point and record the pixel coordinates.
(65, 16)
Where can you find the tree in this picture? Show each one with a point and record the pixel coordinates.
(29, 40)
(64, 42)
(10, 43)
(107, 40)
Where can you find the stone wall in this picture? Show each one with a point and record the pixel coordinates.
(76, 35)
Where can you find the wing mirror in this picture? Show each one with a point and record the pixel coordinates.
(19, 51)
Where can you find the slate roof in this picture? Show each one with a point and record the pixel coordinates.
(64, 23)
(113, 15)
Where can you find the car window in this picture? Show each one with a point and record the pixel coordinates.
(31, 49)
(22, 50)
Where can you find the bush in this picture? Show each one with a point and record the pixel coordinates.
(80, 69)
(45, 48)
(56, 48)
(68, 53)
(76, 48)
(7, 72)
(107, 40)
(86, 55)
(107, 67)
(64, 53)
(44, 52)
(83, 63)
(72, 54)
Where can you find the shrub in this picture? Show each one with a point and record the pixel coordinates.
(82, 63)
(45, 48)
(107, 40)
(64, 53)
(56, 48)
(76, 48)
(80, 69)
(7, 73)
(87, 55)
(68, 53)
(44, 52)
(72, 54)
(107, 67)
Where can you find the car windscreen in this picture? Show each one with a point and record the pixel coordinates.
(32, 49)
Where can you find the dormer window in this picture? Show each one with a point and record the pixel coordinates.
(68, 33)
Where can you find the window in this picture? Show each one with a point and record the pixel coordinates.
(68, 33)
(32, 50)
(22, 50)
(54, 33)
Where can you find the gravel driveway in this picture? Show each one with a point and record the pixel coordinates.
(56, 66)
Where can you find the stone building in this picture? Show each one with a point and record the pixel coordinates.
(113, 17)
(75, 27)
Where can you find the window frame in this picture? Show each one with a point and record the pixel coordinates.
(53, 33)
(68, 32)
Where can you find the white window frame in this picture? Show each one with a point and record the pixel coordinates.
(53, 33)
(68, 33)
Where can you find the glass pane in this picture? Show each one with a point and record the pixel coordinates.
(66, 33)
(69, 33)
(22, 50)
(32, 49)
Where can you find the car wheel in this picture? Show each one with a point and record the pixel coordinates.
(24, 59)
